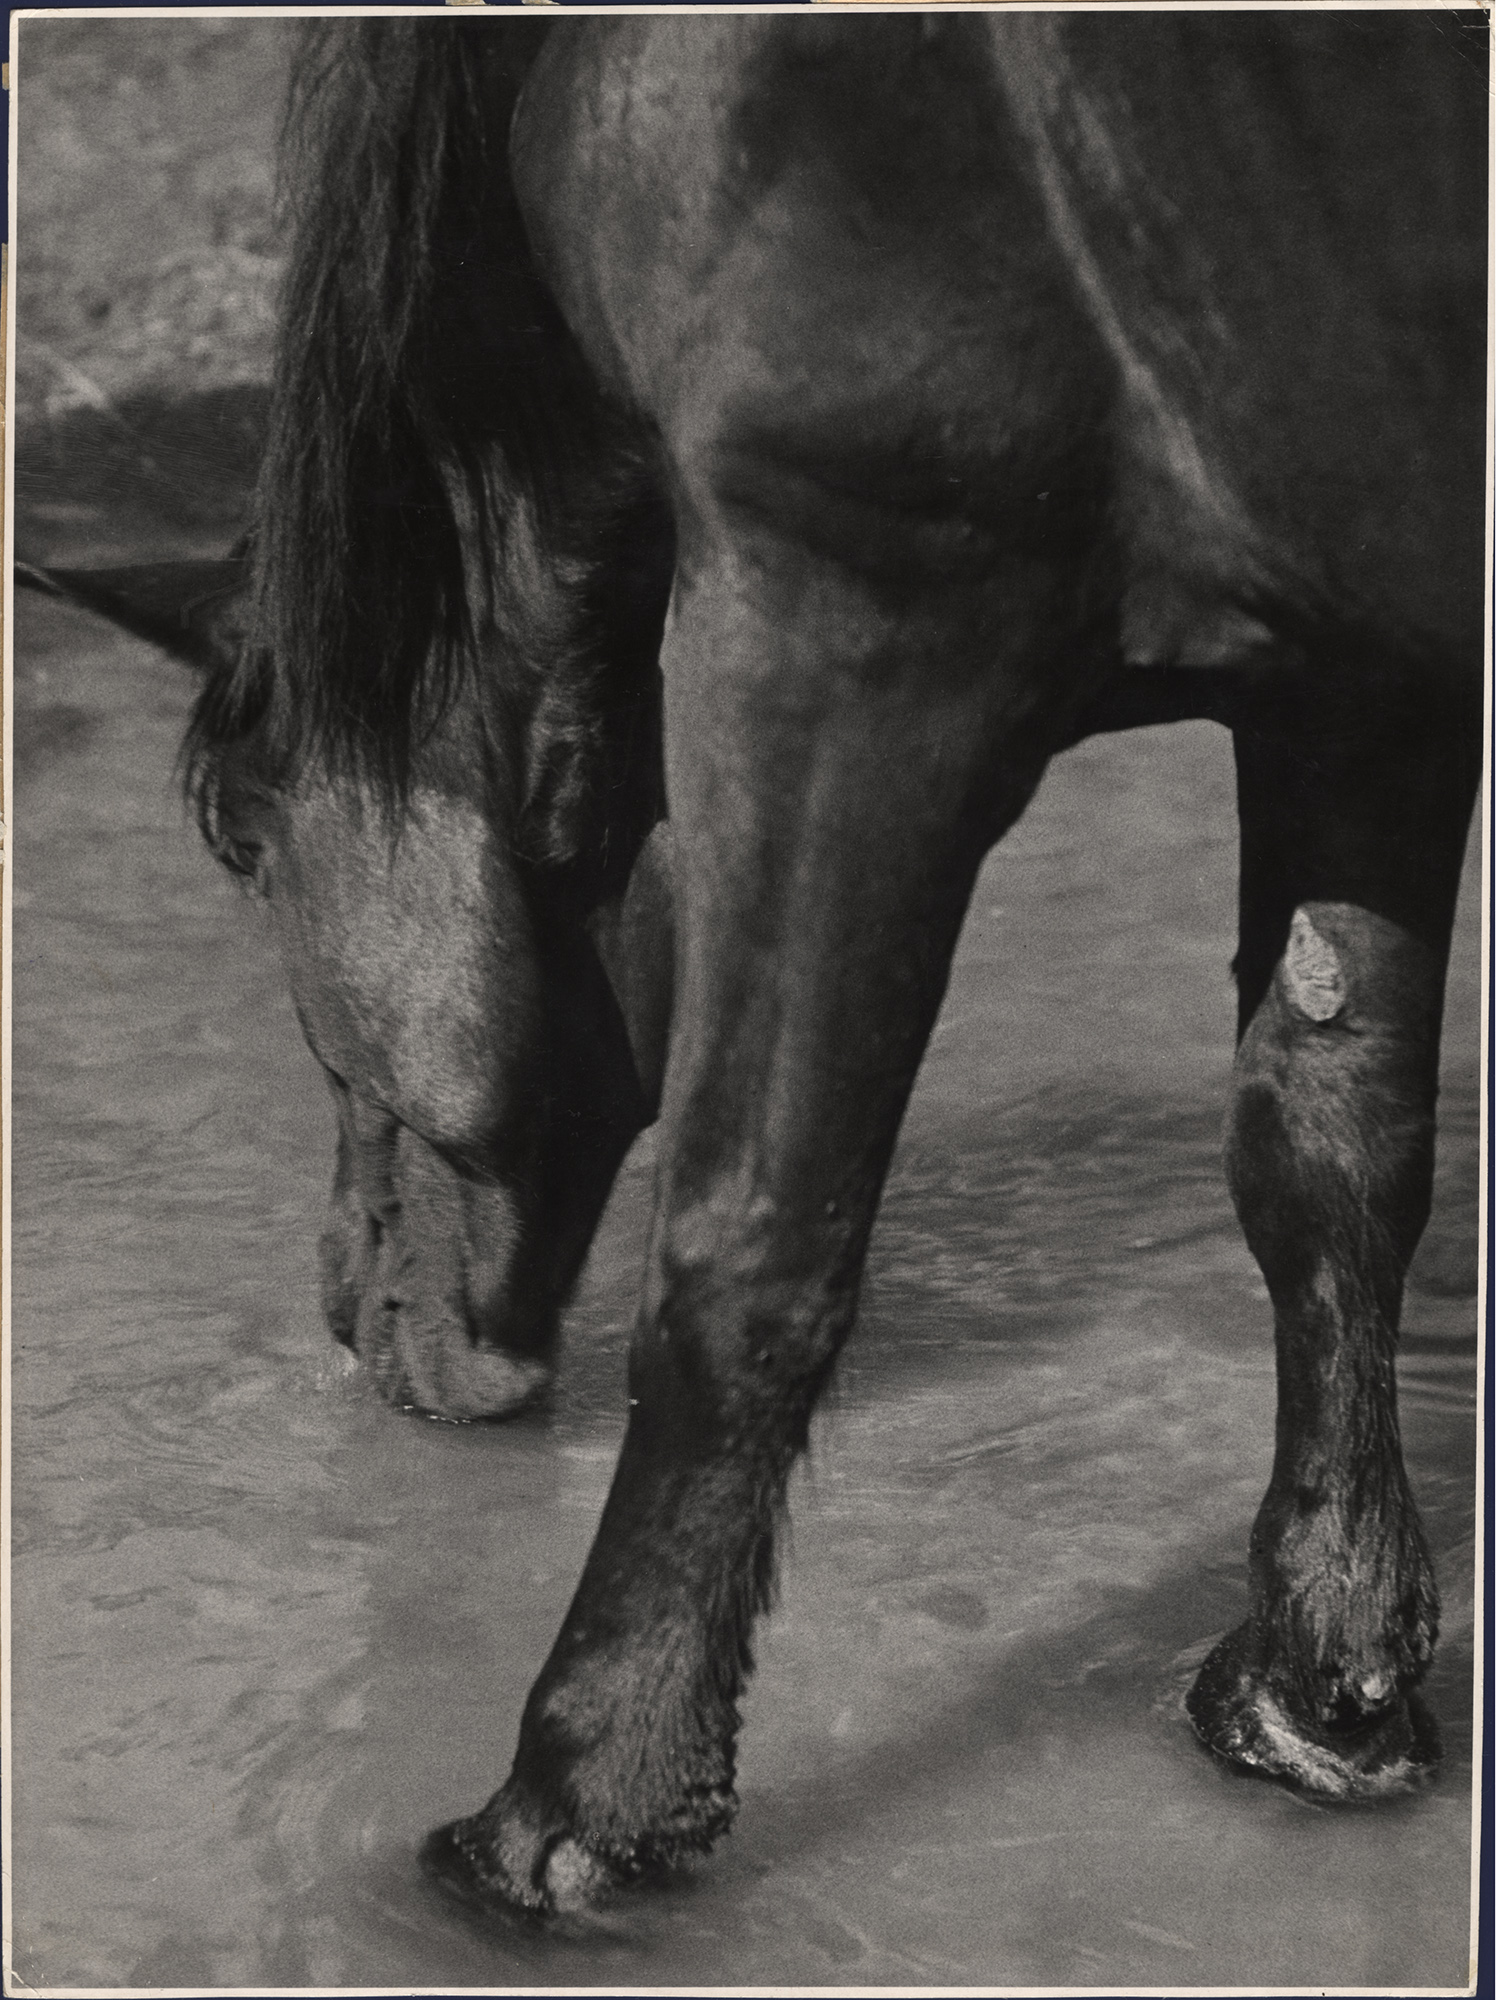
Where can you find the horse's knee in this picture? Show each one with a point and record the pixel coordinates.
(744, 1333)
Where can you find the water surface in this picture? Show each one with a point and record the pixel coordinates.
(269, 1631)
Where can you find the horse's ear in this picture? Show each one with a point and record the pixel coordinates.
(196, 611)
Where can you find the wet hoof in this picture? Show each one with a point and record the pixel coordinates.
(1238, 1717)
(463, 1859)
(517, 1857)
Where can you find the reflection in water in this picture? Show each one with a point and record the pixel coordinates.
(268, 1631)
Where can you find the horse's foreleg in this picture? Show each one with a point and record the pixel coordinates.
(837, 769)
(1353, 817)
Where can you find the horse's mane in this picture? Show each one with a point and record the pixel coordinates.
(440, 488)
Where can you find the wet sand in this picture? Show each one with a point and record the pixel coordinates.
(269, 1631)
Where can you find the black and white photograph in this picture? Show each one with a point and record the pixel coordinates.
(744, 849)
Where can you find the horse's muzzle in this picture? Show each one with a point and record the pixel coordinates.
(421, 1282)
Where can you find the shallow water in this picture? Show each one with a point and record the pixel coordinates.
(268, 1631)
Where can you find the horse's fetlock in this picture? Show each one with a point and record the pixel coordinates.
(1345, 1609)
(671, 1804)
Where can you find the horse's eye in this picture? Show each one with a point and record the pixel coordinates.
(241, 856)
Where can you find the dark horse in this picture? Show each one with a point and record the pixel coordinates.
(915, 395)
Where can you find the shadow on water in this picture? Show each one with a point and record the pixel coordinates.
(148, 476)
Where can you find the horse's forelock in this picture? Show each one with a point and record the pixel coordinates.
(516, 718)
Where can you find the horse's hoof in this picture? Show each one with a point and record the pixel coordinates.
(1238, 1717)
(460, 1860)
(463, 1859)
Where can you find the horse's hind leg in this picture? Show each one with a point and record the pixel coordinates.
(1354, 800)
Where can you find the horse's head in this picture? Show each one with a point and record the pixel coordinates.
(489, 1004)
(488, 1076)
